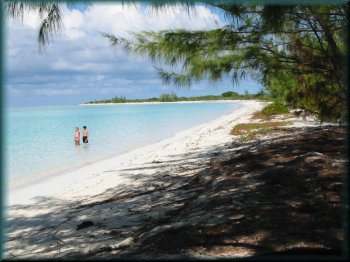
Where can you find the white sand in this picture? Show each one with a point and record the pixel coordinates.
(44, 213)
(194, 144)
(97, 177)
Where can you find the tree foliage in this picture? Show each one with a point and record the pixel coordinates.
(274, 109)
(230, 94)
(296, 51)
(50, 13)
(168, 97)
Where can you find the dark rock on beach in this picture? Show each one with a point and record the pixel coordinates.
(85, 224)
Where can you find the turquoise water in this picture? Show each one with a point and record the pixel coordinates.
(40, 140)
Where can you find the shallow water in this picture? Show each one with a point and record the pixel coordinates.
(40, 140)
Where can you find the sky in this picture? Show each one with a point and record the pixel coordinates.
(80, 65)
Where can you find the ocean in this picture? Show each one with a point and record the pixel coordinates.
(40, 140)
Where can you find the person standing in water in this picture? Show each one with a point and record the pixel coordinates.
(85, 135)
(77, 136)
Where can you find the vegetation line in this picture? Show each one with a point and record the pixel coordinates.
(172, 97)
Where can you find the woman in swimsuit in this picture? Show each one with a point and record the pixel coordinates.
(77, 136)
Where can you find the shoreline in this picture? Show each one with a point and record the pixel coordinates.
(39, 178)
(201, 194)
(176, 102)
(20, 183)
(47, 184)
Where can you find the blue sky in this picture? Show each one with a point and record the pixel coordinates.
(80, 65)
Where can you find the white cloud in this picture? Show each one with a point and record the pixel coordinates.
(56, 92)
(12, 52)
(111, 90)
(81, 59)
(73, 23)
(62, 64)
(15, 91)
(118, 19)
(100, 77)
(31, 19)
(149, 82)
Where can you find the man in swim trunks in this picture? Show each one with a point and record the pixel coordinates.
(85, 135)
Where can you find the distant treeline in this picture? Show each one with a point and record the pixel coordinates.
(172, 97)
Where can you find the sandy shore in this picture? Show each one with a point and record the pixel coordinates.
(203, 181)
(94, 178)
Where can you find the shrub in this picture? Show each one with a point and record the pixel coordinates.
(246, 127)
(230, 94)
(168, 97)
(259, 115)
(275, 109)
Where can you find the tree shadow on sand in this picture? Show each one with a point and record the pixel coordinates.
(280, 197)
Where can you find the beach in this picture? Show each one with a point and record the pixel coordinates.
(120, 203)
(197, 139)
